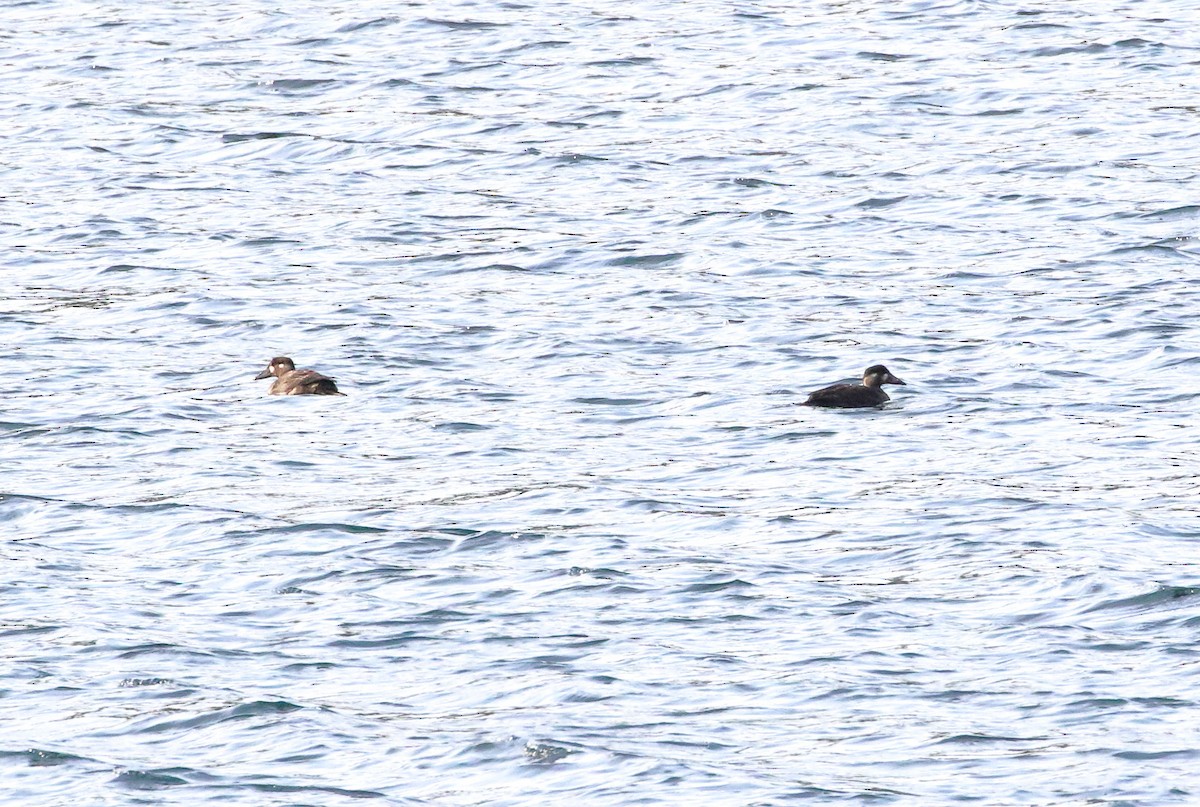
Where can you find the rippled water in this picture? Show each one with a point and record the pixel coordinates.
(568, 537)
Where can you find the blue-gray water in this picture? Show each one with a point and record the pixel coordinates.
(568, 538)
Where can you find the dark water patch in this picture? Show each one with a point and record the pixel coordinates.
(987, 739)
(1152, 248)
(1137, 42)
(1098, 703)
(438, 616)
(28, 630)
(269, 242)
(42, 758)
(462, 25)
(403, 639)
(311, 666)
(311, 42)
(492, 267)
(154, 779)
(1154, 331)
(650, 505)
(300, 85)
(1070, 50)
(241, 138)
(1165, 703)
(245, 711)
(576, 159)
(623, 62)
(1182, 531)
(488, 538)
(377, 572)
(422, 545)
(160, 649)
(558, 661)
(1074, 375)
(716, 586)
(876, 56)
(629, 421)
(999, 113)
(379, 22)
(290, 529)
(1183, 753)
(612, 401)
(715, 90)
(1037, 26)
(1150, 600)
(321, 790)
(755, 182)
(588, 589)
(870, 204)
(498, 396)
(601, 573)
(461, 428)
(100, 435)
(543, 44)
(35, 503)
(458, 532)
(1182, 212)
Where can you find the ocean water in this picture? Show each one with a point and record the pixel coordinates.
(568, 536)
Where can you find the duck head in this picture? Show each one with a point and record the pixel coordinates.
(278, 366)
(877, 374)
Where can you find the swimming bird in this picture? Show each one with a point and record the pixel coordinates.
(290, 381)
(850, 396)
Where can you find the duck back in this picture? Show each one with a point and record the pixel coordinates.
(304, 382)
(847, 396)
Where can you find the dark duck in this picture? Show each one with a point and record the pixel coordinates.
(854, 396)
(290, 381)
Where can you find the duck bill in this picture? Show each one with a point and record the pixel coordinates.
(264, 374)
(891, 379)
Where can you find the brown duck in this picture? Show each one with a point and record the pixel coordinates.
(290, 381)
(854, 396)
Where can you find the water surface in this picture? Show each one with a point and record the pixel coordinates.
(568, 535)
